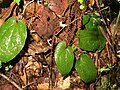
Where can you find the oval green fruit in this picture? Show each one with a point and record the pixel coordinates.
(86, 68)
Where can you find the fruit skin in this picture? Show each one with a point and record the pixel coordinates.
(86, 68)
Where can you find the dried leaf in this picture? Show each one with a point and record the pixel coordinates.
(45, 23)
(58, 6)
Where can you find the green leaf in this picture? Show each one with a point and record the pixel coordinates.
(91, 21)
(85, 19)
(17, 1)
(68, 1)
(88, 40)
(86, 68)
(74, 48)
(12, 39)
(64, 58)
(93, 24)
(102, 41)
(96, 17)
(0, 64)
(81, 1)
(91, 38)
(82, 6)
(59, 48)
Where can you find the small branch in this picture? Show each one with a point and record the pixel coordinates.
(68, 24)
(105, 36)
(116, 24)
(26, 6)
(28, 85)
(108, 30)
(19, 88)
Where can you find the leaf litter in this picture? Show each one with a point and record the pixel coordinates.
(34, 68)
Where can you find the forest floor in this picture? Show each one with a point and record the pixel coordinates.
(49, 22)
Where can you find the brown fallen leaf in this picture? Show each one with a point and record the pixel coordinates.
(45, 23)
(6, 87)
(58, 6)
(92, 2)
(64, 84)
(43, 86)
(7, 13)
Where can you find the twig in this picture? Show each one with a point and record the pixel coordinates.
(19, 88)
(103, 18)
(26, 6)
(28, 85)
(116, 24)
(68, 24)
(105, 36)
